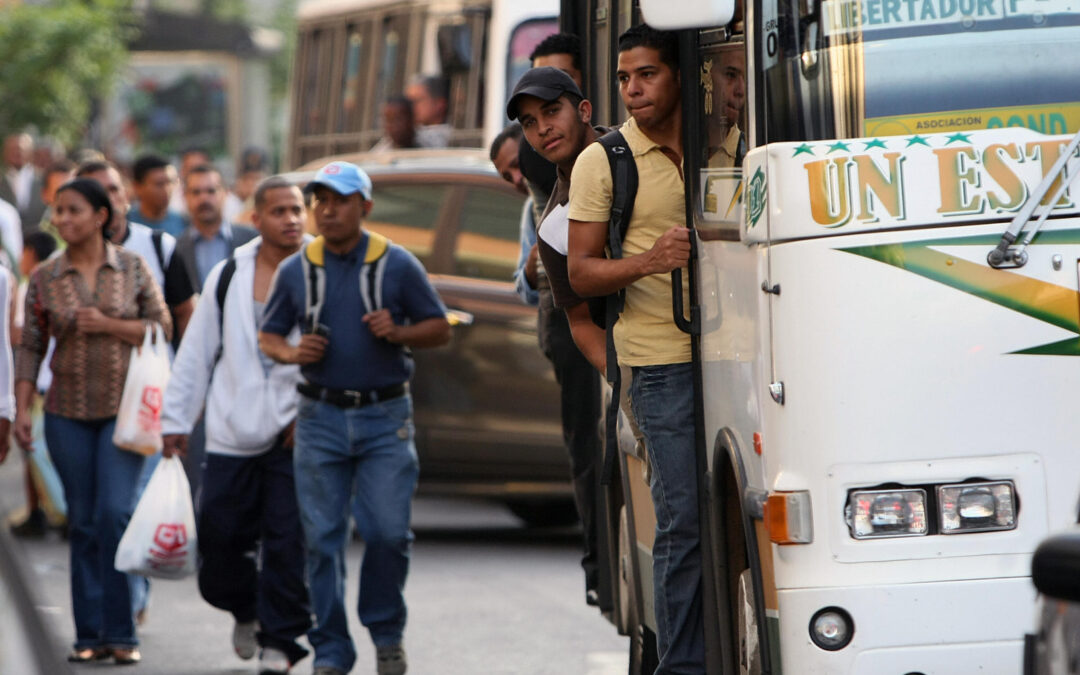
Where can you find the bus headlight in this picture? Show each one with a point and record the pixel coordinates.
(887, 513)
(977, 507)
(831, 628)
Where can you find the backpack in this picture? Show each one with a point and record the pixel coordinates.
(605, 310)
(312, 259)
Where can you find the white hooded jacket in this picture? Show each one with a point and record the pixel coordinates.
(247, 407)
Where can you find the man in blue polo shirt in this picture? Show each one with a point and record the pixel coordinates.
(361, 303)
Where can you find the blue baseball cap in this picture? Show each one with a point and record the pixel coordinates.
(343, 178)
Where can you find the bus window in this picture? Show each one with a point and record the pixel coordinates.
(722, 119)
(487, 241)
(357, 49)
(313, 118)
(601, 78)
(523, 41)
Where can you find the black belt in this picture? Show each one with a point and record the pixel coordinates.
(346, 398)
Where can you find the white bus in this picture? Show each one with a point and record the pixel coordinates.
(352, 55)
(885, 308)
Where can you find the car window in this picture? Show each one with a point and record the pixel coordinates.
(407, 213)
(487, 241)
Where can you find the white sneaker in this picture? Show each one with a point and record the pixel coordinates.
(273, 662)
(243, 639)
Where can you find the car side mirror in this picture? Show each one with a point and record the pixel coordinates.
(1055, 568)
(667, 15)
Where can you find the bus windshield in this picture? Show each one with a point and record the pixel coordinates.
(865, 68)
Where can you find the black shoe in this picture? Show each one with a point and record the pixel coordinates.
(33, 527)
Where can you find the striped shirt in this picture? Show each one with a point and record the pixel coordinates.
(88, 369)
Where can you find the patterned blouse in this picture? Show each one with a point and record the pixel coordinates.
(88, 369)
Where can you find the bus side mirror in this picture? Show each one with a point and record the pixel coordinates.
(667, 15)
(1055, 568)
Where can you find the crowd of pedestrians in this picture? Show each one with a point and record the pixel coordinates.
(289, 399)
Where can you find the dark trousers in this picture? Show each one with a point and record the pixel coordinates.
(579, 385)
(252, 547)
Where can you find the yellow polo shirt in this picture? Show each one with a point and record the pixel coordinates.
(645, 334)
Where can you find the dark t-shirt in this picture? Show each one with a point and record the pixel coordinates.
(355, 359)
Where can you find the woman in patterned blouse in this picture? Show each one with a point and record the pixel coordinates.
(96, 299)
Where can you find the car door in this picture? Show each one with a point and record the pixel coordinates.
(492, 411)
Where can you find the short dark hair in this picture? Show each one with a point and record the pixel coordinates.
(559, 43)
(400, 102)
(436, 85)
(41, 244)
(94, 166)
(201, 169)
(512, 132)
(145, 164)
(268, 184)
(643, 35)
(193, 149)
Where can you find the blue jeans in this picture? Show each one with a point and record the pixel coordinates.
(99, 483)
(662, 398)
(140, 585)
(363, 461)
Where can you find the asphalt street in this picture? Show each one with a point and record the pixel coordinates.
(486, 595)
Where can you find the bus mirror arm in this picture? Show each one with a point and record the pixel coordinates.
(1003, 255)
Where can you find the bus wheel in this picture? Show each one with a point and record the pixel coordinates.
(749, 649)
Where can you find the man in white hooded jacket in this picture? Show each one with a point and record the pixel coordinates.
(247, 504)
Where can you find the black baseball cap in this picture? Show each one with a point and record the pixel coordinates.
(545, 83)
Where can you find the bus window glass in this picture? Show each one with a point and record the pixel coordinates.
(487, 241)
(523, 41)
(351, 114)
(722, 82)
(599, 90)
(313, 117)
(863, 67)
(407, 213)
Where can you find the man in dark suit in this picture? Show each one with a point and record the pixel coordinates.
(21, 186)
(209, 239)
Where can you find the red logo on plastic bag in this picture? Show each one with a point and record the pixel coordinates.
(150, 409)
(169, 548)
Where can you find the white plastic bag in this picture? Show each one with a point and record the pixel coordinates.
(138, 421)
(160, 540)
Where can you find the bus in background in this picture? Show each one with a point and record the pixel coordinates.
(352, 55)
(884, 302)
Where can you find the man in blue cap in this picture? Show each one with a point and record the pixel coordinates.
(361, 303)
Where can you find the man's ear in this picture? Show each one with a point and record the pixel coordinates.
(585, 111)
(365, 207)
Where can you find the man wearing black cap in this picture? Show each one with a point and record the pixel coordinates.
(362, 303)
(555, 118)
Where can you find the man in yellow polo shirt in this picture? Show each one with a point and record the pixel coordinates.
(646, 337)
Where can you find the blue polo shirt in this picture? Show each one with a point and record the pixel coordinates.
(355, 359)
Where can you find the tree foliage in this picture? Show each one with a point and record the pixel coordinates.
(57, 60)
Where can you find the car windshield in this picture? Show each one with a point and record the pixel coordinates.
(859, 68)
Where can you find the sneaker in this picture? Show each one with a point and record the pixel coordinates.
(243, 639)
(390, 660)
(273, 662)
(33, 526)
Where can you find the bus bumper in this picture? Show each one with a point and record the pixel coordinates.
(944, 628)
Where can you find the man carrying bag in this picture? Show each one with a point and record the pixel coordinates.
(248, 499)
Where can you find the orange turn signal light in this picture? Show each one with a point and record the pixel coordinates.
(788, 518)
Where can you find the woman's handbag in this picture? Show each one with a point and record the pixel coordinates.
(160, 539)
(138, 421)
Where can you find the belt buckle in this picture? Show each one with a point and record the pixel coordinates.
(355, 397)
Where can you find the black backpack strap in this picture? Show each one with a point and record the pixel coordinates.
(219, 292)
(155, 237)
(624, 185)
